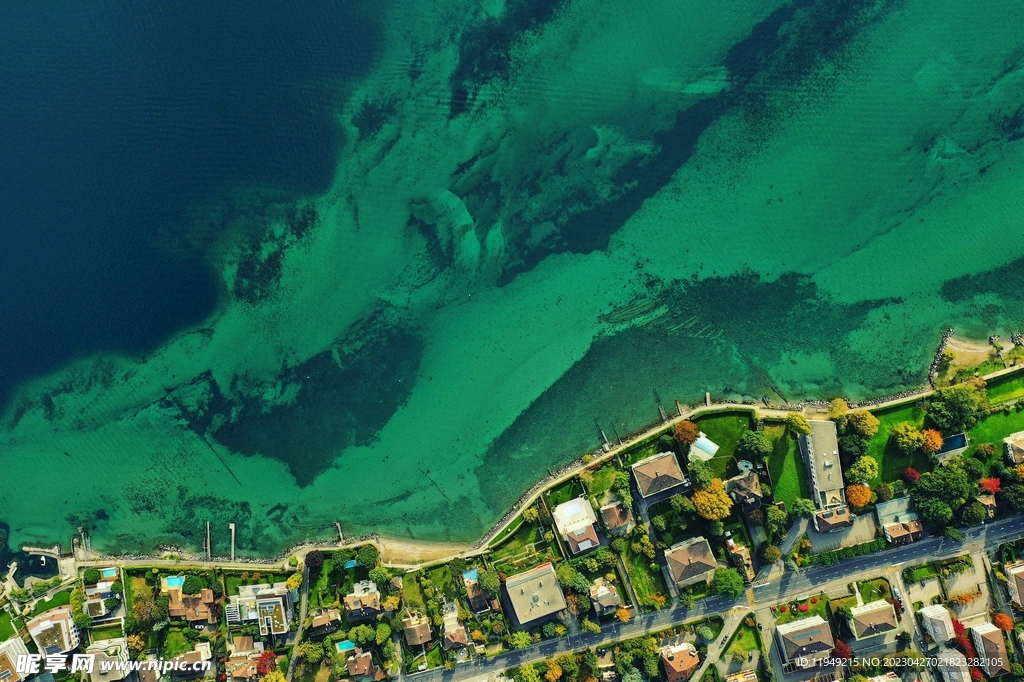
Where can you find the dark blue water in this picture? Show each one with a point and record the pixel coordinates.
(116, 117)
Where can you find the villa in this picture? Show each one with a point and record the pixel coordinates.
(691, 562)
(108, 654)
(900, 525)
(54, 631)
(577, 524)
(871, 619)
(1015, 581)
(657, 474)
(455, 635)
(184, 664)
(534, 596)
(679, 661)
(9, 652)
(937, 623)
(363, 603)
(745, 490)
(804, 643)
(245, 655)
(1013, 445)
(269, 606)
(605, 597)
(820, 449)
(617, 518)
(953, 666)
(325, 622)
(416, 629)
(361, 667)
(740, 557)
(474, 593)
(991, 646)
(702, 449)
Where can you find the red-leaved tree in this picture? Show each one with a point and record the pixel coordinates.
(975, 674)
(267, 663)
(989, 485)
(842, 650)
(910, 475)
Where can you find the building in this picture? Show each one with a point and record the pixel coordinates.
(363, 603)
(54, 631)
(739, 555)
(937, 622)
(362, 668)
(269, 606)
(9, 652)
(617, 518)
(244, 657)
(804, 643)
(416, 628)
(951, 447)
(577, 524)
(657, 474)
(325, 622)
(188, 666)
(1013, 446)
(900, 525)
(991, 647)
(742, 676)
(1015, 581)
(745, 490)
(828, 520)
(989, 503)
(107, 655)
(953, 666)
(474, 593)
(904, 533)
(820, 450)
(605, 597)
(534, 596)
(702, 448)
(872, 619)
(194, 608)
(679, 661)
(455, 635)
(691, 562)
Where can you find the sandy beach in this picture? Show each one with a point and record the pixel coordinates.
(414, 552)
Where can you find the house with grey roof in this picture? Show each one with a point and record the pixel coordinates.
(534, 596)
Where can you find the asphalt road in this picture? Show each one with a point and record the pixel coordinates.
(790, 585)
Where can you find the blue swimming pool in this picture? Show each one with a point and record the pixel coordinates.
(175, 581)
(109, 573)
(345, 645)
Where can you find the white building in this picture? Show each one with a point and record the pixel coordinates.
(270, 606)
(9, 652)
(54, 631)
(577, 524)
(107, 653)
(937, 623)
(953, 666)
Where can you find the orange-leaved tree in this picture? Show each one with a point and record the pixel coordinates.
(713, 502)
(1003, 622)
(858, 495)
(990, 485)
(932, 441)
(686, 432)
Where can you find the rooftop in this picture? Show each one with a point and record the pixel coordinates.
(657, 473)
(874, 618)
(535, 594)
(690, 559)
(805, 637)
(821, 454)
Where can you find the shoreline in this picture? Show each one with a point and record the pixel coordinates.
(408, 553)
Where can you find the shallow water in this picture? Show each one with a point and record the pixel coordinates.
(539, 224)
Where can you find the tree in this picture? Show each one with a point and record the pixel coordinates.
(842, 650)
(520, 639)
(294, 580)
(362, 634)
(380, 575)
(193, 585)
(622, 614)
(392, 603)
(712, 502)
(1014, 496)
(701, 473)
(972, 513)
(554, 672)
(489, 582)
(904, 637)
(990, 486)
(863, 470)
(632, 675)
(803, 508)
(934, 511)
(91, 576)
(590, 626)
(852, 446)
(681, 504)
(136, 643)
(956, 408)
(953, 534)
(383, 633)
(907, 437)
(274, 676)
(837, 408)
(931, 441)
(776, 521)
(754, 445)
(862, 423)
(883, 491)
(686, 600)
(911, 475)
(770, 554)
(686, 433)
(797, 423)
(310, 650)
(949, 485)
(527, 673)
(367, 556)
(314, 560)
(1002, 621)
(143, 609)
(858, 495)
(727, 582)
(266, 663)
(530, 514)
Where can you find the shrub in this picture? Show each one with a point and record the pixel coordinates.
(111, 603)
(91, 576)
(193, 585)
(837, 555)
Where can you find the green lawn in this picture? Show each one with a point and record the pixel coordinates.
(1010, 387)
(175, 644)
(565, 492)
(62, 598)
(891, 461)
(786, 466)
(724, 430)
(919, 572)
(509, 530)
(320, 591)
(743, 640)
(816, 606)
(6, 626)
(646, 582)
(602, 481)
(411, 593)
(107, 632)
(441, 579)
(873, 590)
(518, 544)
(995, 427)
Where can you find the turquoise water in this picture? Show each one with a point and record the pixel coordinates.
(175, 581)
(345, 645)
(541, 223)
(112, 573)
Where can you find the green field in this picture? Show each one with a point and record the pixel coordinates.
(565, 492)
(724, 430)
(919, 572)
(320, 591)
(646, 582)
(107, 632)
(1006, 388)
(786, 466)
(62, 598)
(175, 644)
(441, 579)
(995, 427)
(6, 626)
(744, 640)
(602, 481)
(891, 461)
(411, 593)
(816, 606)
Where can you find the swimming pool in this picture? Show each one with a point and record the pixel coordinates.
(109, 573)
(345, 645)
(175, 581)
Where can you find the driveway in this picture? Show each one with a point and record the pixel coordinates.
(863, 530)
(968, 582)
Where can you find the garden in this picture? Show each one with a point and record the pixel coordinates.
(873, 590)
(62, 598)
(8, 626)
(785, 465)
(815, 605)
(744, 640)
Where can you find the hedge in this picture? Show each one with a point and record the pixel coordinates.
(837, 555)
